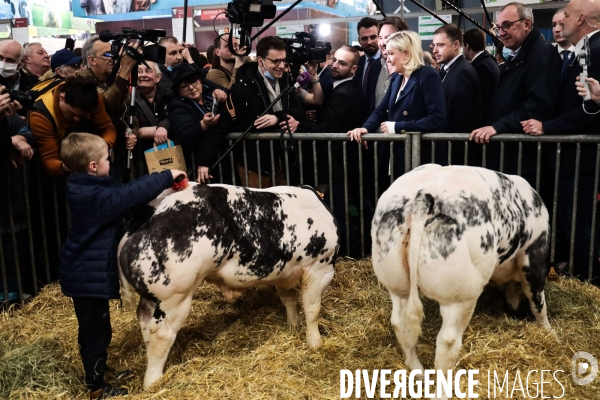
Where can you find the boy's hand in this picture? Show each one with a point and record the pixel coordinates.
(176, 173)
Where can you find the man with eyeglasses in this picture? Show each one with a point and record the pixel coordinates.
(99, 64)
(257, 85)
(385, 28)
(581, 18)
(525, 89)
(369, 65)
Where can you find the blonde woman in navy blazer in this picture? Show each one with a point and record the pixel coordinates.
(414, 101)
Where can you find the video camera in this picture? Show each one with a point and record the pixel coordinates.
(155, 53)
(26, 98)
(304, 47)
(248, 14)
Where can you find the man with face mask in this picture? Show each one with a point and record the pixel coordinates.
(11, 74)
(257, 85)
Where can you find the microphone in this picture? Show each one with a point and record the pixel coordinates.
(106, 36)
(302, 80)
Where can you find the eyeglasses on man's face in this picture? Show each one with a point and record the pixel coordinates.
(506, 25)
(278, 61)
(106, 55)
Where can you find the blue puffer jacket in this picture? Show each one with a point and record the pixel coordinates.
(88, 260)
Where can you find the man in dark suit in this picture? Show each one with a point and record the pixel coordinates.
(340, 113)
(369, 65)
(462, 89)
(484, 63)
(524, 90)
(581, 19)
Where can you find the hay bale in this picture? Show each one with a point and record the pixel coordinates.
(246, 351)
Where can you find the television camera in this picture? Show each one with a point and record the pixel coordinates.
(304, 47)
(121, 44)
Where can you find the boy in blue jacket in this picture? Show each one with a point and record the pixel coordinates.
(88, 261)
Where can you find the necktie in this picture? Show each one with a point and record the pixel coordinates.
(366, 76)
(566, 58)
(443, 72)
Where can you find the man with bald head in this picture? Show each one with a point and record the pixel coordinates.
(11, 74)
(525, 89)
(580, 20)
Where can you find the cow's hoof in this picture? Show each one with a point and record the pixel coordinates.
(314, 342)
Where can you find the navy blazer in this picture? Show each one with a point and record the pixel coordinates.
(368, 102)
(420, 108)
(462, 91)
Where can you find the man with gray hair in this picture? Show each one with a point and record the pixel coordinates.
(525, 89)
(11, 74)
(99, 64)
(36, 60)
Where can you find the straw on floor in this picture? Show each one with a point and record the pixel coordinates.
(245, 351)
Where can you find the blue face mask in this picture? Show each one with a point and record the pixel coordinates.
(268, 74)
(505, 53)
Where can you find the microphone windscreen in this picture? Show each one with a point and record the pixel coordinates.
(303, 79)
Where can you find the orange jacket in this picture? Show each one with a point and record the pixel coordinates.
(49, 128)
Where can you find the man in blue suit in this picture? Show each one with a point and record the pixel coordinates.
(369, 65)
(462, 88)
(581, 19)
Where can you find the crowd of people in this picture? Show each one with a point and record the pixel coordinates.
(388, 85)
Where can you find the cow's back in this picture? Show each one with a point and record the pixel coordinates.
(236, 235)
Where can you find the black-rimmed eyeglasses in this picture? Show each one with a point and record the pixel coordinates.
(506, 25)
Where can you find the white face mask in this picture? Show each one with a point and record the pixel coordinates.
(8, 69)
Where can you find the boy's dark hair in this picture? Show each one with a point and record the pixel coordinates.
(452, 31)
(366, 22)
(78, 150)
(80, 92)
(220, 40)
(475, 38)
(397, 22)
(269, 43)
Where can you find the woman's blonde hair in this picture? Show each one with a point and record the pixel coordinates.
(79, 149)
(408, 40)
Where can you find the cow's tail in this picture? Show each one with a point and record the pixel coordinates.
(128, 294)
(421, 209)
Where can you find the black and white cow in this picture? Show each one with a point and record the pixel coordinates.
(231, 236)
(449, 231)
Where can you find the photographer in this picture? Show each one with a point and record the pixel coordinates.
(223, 73)
(257, 85)
(99, 63)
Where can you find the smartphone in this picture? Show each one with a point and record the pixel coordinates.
(215, 106)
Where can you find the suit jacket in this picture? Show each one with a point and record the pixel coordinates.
(489, 74)
(420, 108)
(340, 112)
(570, 118)
(368, 102)
(525, 91)
(462, 92)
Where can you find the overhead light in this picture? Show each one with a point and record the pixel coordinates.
(323, 30)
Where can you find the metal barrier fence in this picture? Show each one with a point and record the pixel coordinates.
(35, 215)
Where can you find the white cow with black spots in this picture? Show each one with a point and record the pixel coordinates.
(449, 231)
(231, 236)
